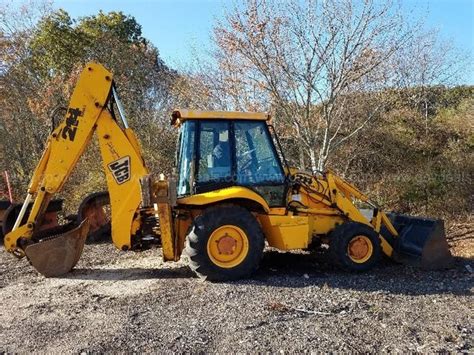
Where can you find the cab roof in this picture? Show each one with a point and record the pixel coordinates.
(179, 116)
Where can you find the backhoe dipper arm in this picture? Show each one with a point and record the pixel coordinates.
(121, 158)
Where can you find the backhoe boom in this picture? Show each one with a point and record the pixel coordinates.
(88, 112)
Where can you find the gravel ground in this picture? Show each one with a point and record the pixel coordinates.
(116, 301)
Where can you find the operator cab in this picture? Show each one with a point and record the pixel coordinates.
(223, 149)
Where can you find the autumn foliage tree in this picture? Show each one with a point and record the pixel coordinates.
(41, 59)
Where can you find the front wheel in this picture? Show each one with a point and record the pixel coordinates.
(355, 246)
(225, 243)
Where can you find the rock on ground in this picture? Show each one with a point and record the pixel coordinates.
(116, 301)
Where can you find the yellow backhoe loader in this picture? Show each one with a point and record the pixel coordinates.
(233, 193)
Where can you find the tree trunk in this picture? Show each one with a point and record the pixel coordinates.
(301, 156)
(321, 163)
(425, 104)
(324, 150)
(314, 164)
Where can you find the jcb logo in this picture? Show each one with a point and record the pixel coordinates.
(121, 169)
(70, 129)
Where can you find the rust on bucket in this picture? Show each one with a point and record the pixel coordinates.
(57, 254)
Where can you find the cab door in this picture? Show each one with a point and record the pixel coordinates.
(214, 163)
(257, 164)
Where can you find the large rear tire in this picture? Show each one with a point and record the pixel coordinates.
(355, 247)
(225, 243)
(96, 208)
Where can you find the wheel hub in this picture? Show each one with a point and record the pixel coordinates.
(228, 246)
(360, 249)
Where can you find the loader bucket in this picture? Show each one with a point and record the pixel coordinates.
(421, 242)
(58, 253)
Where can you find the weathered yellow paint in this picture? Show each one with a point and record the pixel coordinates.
(125, 197)
(180, 116)
(38, 173)
(320, 211)
(87, 114)
(324, 202)
(167, 235)
(11, 238)
(388, 224)
(223, 195)
(324, 224)
(341, 194)
(195, 114)
(286, 232)
(134, 143)
(73, 134)
(377, 222)
(67, 142)
(279, 211)
(165, 215)
(181, 229)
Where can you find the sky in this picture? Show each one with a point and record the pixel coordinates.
(175, 26)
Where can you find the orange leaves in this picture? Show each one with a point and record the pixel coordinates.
(49, 95)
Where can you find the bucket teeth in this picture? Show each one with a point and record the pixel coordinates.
(56, 255)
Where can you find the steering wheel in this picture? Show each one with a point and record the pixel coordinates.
(248, 169)
(245, 166)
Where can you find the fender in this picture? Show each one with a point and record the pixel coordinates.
(221, 195)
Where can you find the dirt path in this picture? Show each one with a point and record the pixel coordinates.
(115, 301)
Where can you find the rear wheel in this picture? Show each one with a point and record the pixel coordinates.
(225, 243)
(355, 246)
(96, 208)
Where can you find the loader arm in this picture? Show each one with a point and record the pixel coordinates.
(87, 113)
(332, 201)
(342, 194)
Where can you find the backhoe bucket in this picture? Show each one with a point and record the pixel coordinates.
(58, 253)
(421, 242)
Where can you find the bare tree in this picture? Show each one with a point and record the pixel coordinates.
(428, 61)
(39, 69)
(309, 60)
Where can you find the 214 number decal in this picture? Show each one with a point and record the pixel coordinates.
(72, 121)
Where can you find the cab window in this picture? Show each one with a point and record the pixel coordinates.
(215, 163)
(257, 162)
(186, 158)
